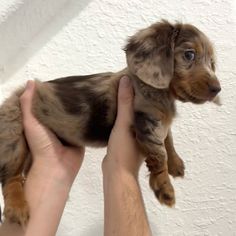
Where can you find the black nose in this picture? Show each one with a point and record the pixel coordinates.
(214, 89)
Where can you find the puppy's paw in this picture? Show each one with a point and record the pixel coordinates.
(165, 194)
(17, 212)
(162, 188)
(176, 166)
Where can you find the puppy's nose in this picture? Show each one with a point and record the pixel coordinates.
(214, 89)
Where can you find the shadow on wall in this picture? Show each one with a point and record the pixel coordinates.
(30, 27)
(97, 229)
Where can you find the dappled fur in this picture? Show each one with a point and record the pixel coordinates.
(81, 110)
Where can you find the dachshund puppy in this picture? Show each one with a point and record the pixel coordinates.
(165, 62)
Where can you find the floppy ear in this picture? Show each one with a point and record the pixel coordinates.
(150, 54)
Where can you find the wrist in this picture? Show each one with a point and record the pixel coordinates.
(54, 172)
(54, 180)
(110, 169)
(118, 175)
(41, 186)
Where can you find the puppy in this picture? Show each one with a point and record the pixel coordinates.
(165, 62)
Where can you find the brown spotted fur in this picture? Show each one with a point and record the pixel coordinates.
(81, 109)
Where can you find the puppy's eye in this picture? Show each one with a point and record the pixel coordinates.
(189, 55)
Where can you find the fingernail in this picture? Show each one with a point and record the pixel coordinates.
(125, 82)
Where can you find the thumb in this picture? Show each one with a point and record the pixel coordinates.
(26, 101)
(38, 137)
(125, 103)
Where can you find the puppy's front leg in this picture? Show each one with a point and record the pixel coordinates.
(175, 163)
(150, 135)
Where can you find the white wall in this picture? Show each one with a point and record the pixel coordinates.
(49, 39)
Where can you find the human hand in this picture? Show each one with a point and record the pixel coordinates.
(124, 211)
(122, 151)
(54, 165)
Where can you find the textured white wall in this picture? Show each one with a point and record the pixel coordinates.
(48, 39)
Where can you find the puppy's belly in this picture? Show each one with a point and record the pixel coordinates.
(89, 127)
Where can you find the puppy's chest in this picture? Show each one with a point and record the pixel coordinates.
(156, 102)
(154, 112)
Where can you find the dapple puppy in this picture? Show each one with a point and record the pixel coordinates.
(165, 62)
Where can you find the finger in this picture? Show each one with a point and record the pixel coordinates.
(125, 103)
(38, 137)
(26, 103)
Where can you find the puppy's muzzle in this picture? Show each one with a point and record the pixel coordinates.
(214, 87)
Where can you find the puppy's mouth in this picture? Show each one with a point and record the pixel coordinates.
(184, 96)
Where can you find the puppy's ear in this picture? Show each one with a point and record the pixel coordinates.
(150, 54)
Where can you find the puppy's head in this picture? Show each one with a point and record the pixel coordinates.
(176, 57)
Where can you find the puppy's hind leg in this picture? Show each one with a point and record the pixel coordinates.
(16, 208)
(13, 154)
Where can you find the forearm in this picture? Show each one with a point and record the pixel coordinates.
(47, 191)
(124, 208)
(46, 207)
(10, 229)
(45, 217)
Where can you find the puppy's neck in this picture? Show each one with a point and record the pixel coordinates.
(162, 99)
